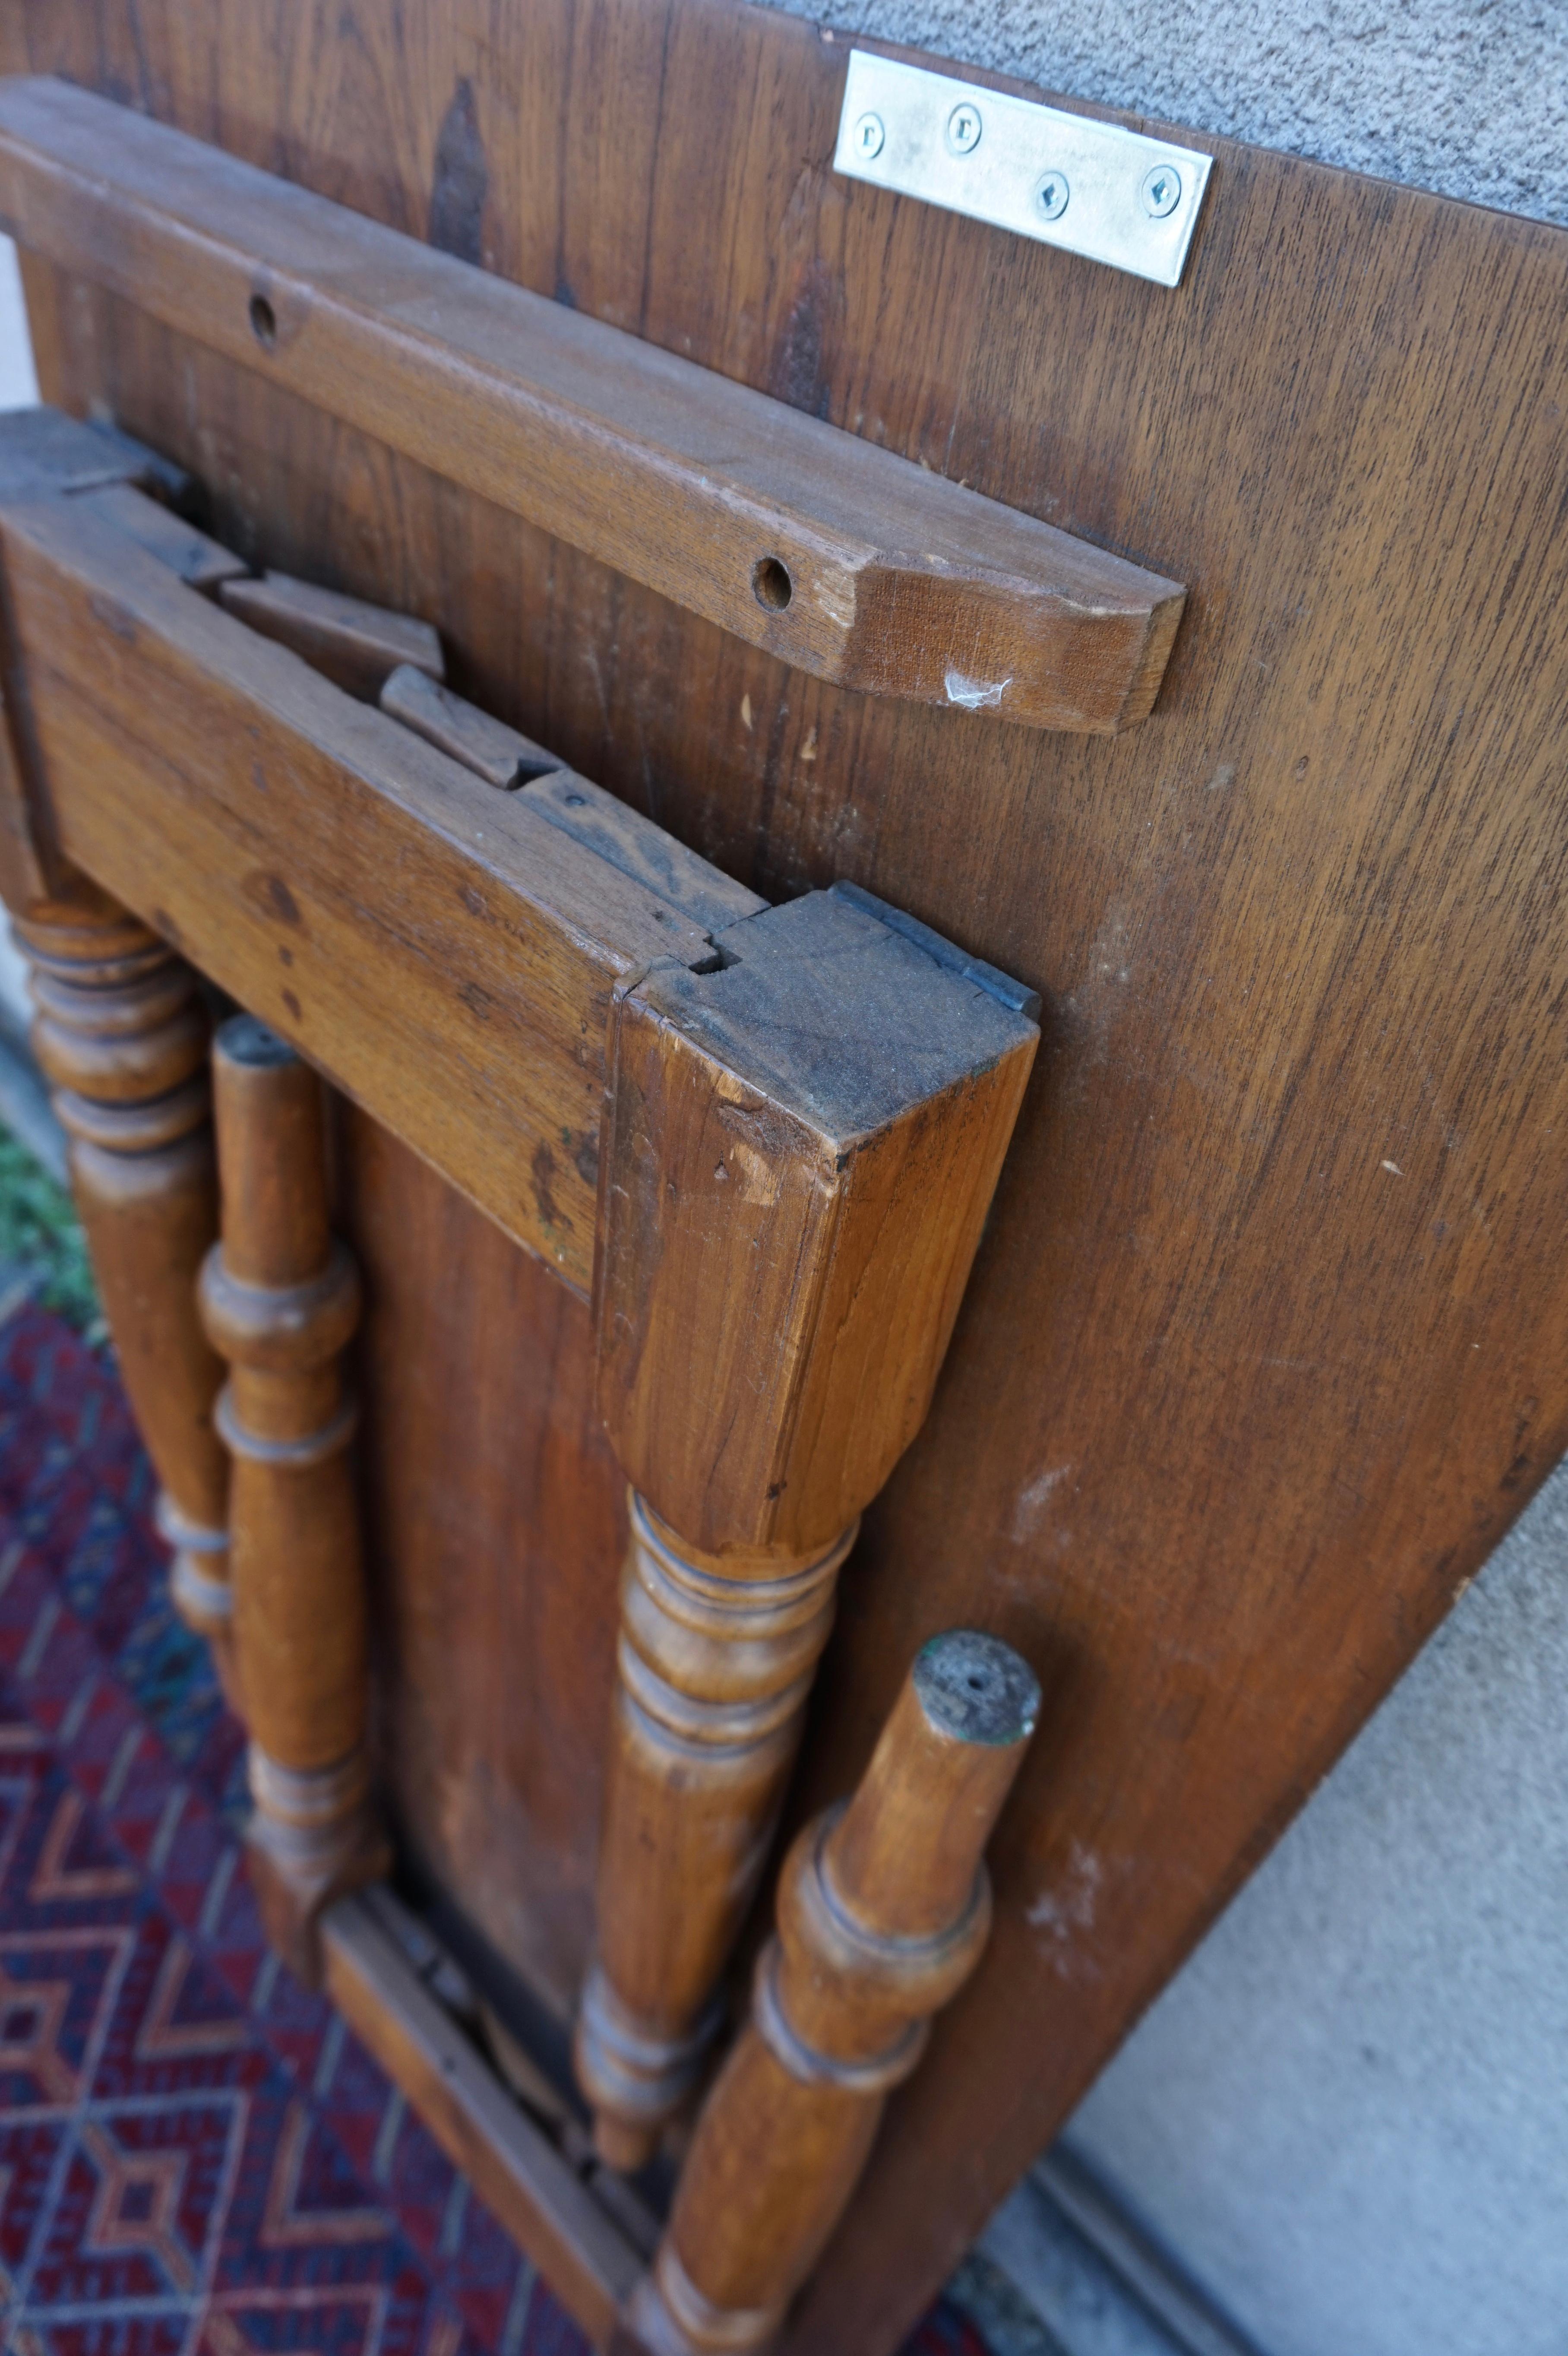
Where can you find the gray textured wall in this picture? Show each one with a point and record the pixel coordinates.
(1347, 2117)
(1471, 99)
(1347, 2113)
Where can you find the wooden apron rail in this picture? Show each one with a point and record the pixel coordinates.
(837, 556)
(768, 1135)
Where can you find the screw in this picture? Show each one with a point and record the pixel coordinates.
(963, 129)
(869, 137)
(1161, 191)
(1052, 196)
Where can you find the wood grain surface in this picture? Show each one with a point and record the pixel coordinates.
(832, 554)
(357, 645)
(45, 453)
(495, 1587)
(279, 1299)
(800, 1152)
(882, 1912)
(120, 1030)
(486, 745)
(512, 2165)
(1267, 1342)
(446, 953)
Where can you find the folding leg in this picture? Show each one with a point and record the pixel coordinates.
(122, 1034)
(280, 1299)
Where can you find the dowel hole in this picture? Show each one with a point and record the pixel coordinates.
(263, 321)
(772, 585)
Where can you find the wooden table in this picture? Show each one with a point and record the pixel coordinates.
(1265, 1344)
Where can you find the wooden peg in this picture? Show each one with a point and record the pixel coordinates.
(356, 645)
(121, 1033)
(200, 562)
(884, 1907)
(499, 754)
(280, 1299)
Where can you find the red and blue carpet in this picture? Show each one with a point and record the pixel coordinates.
(195, 2157)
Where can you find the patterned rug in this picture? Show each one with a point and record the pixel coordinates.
(195, 2157)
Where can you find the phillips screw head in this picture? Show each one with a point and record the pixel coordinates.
(1161, 191)
(1050, 196)
(963, 129)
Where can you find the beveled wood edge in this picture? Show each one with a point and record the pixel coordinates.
(837, 556)
(530, 2188)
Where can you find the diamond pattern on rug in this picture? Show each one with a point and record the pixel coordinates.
(196, 2155)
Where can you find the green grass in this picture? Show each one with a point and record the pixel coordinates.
(39, 1232)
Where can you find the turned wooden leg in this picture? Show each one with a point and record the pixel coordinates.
(715, 1663)
(122, 1034)
(799, 1149)
(280, 1299)
(883, 1910)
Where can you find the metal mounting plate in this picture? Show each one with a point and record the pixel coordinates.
(1064, 179)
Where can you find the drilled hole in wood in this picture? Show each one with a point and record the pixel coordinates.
(773, 584)
(263, 321)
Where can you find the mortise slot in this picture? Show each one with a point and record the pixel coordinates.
(720, 962)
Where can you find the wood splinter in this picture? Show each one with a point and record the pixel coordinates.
(884, 1910)
(281, 1297)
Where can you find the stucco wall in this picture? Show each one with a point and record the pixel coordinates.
(1469, 99)
(1347, 2113)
